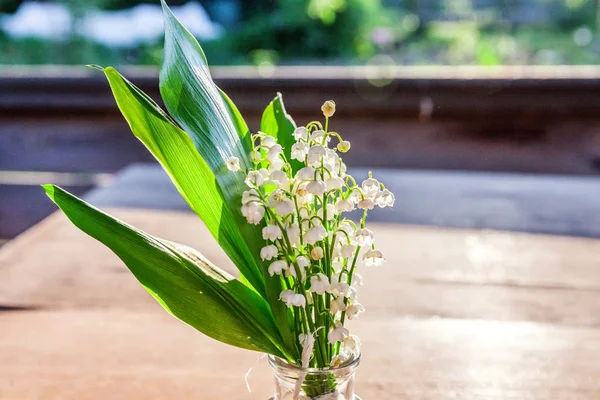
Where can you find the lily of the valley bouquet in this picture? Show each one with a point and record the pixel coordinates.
(276, 201)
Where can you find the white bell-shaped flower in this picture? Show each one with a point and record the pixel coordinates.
(363, 237)
(318, 135)
(351, 344)
(351, 293)
(337, 264)
(366, 204)
(268, 252)
(385, 198)
(331, 159)
(338, 288)
(256, 178)
(271, 232)
(253, 212)
(373, 258)
(233, 164)
(348, 250)
(290, 298)
(319, 283)
(370, 187)
(277, 267)
(280, 179)
(342, 169)
(276, 164)
(315, 234)
(338, 360)
(302, 261)
(300, 133)
(338, 333)
(337, 251)
(316, 187)
(300, 151)
(284, 208)
(275, 197)
(302, 195)
(293, 233)
(347, 227)
(334, 183)
(249, 195)
(354, 309)
(267, 141)
(357, 280)
(331, 212)
(343, 205)
(306, 174)
(337, 305)
(315, 155)
(274, 152)
(355, 196)
(291, 271)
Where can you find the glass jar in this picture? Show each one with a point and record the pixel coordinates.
(295, 383)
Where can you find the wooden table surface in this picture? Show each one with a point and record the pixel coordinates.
(454, 314)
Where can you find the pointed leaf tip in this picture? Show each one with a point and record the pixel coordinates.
(95, 66)
(165, 7)
(48, 188)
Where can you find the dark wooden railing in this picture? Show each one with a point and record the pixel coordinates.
(523, 119)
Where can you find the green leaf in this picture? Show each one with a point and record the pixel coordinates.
(218, 131)
(238, 121)
(278, 123)
(196, 103)
(181, 280)
(210, 118)
(190, 173)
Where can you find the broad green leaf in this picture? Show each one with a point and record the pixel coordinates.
(189, 172)
(181, 280)
(278, 123)
(218, 131)
(209, 117)
(238, 121)
(195, 102)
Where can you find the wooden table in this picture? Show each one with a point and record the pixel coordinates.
(454, 314)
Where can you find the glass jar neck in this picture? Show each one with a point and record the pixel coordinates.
(296, 383)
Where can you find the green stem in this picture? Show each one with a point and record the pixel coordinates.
(349, 280)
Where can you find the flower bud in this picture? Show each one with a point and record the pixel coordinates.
(316, 253)
(328, 108)
(343, 146)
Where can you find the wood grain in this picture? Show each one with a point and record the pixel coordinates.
(454, 314)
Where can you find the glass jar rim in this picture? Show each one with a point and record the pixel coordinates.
(280, 363)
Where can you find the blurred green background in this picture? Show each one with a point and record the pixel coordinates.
(306, 32)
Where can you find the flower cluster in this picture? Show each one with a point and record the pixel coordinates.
(309, 243)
